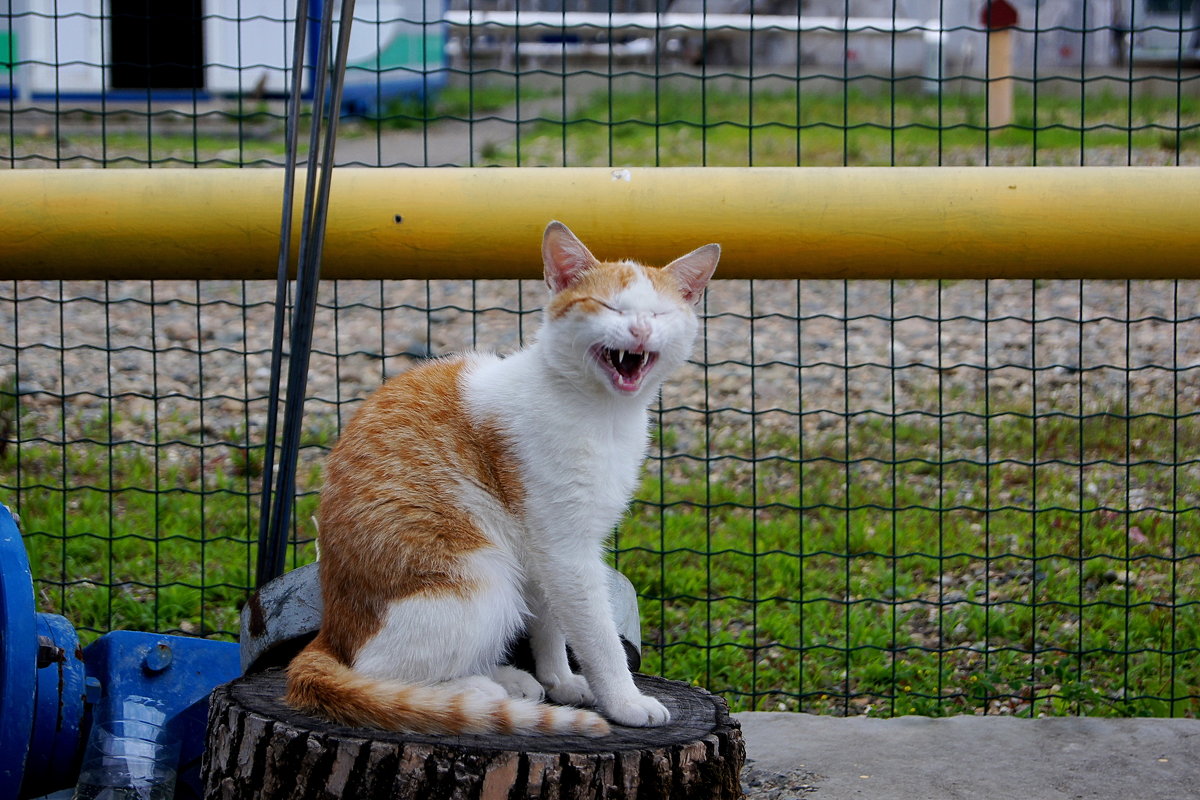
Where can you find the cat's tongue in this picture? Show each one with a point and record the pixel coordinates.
(625, 368)
(627, 383)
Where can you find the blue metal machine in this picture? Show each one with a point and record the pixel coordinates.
(50, 689)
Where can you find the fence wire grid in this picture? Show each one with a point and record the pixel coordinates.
(863, 497)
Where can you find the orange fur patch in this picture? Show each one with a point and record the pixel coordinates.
(601, 282)
(453, 715)
(388, 516)
(502, 718)
(545, 723)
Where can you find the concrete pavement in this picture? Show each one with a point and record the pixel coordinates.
(918, 758)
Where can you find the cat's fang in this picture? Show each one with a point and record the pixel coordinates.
(625, 362)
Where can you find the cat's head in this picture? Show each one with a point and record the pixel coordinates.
(619, 324)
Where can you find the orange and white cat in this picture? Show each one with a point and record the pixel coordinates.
(470, 499)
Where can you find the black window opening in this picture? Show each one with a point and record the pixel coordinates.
(157, 45)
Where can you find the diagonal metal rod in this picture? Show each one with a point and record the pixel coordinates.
(265, 559)
(277, 506)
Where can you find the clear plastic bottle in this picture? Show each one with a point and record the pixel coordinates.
(131, 755)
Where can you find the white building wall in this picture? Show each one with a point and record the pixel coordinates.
(63, 54)
(1052, 35)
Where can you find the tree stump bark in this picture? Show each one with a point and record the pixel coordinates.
(260, 748)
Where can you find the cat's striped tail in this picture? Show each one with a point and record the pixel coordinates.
(317, 683)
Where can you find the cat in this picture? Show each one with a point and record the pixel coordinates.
(470, 498)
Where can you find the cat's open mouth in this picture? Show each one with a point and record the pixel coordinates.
(625, 368)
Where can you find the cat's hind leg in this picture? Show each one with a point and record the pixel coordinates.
(518, 683)
(488, 689)
(434, 637)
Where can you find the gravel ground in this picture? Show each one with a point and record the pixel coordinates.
(768, 784)
(201, 352)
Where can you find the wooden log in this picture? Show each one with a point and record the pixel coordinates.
(260, 748)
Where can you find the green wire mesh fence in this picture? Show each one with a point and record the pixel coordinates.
(882, 497)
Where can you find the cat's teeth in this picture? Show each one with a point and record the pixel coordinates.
(620, 356)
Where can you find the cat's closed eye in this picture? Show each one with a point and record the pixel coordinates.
(623, 311)
(598, 301)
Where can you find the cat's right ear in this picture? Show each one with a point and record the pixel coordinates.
(694, 270)
(564, 256)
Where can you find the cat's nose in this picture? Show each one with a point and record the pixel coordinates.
(640, 331)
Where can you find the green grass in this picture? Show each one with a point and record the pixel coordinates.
(936, 580)
(678, 123)
(151, 535)
(451, 103)
(957, 565)
(162, 145)
(684, 120)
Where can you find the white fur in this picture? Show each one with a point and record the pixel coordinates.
(580, 445)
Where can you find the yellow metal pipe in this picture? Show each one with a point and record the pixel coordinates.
(864, 222)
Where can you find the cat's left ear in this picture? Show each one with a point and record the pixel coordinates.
(564, 256)
(694, 270)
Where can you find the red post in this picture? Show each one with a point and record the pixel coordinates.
(999, 18)
(998, 14)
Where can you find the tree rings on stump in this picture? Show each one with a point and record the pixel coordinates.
(262, 749)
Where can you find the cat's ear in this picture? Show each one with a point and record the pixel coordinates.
(694, 270)
(564, 256)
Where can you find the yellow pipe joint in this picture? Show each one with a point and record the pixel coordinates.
(861, 222)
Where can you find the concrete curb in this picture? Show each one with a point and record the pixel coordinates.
(919, 758)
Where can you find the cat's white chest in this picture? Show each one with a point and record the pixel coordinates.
(602, 455)
(593, 461)
(579, 462)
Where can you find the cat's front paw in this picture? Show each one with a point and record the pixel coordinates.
(571, 690)
(637, 711)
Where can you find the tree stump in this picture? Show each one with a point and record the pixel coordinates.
(260, 748)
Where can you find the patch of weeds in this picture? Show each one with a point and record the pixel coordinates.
(1014, 570)
(453, 103)
(157, 534)
(677, 124)
(944, 584)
